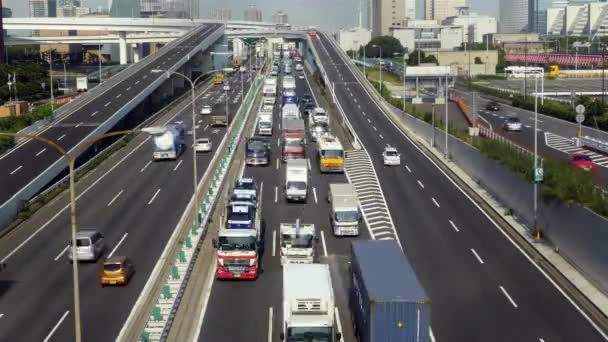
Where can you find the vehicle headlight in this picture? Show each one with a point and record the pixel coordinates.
(220, 261)
(253, 262)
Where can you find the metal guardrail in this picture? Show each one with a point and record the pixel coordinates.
(169, 299)
(596, 144)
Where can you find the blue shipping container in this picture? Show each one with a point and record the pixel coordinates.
(386, 299)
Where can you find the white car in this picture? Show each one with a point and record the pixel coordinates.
(206, 110)
(226, 87)
(301, 76)
(512, 124)
(202, 145)
(391, 157)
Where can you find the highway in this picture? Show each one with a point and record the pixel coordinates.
(24, 163)
(481, 285)
(250, 305)
(136, 205)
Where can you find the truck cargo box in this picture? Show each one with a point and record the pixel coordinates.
(387, 301)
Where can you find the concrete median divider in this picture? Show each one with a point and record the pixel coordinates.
(153, 313)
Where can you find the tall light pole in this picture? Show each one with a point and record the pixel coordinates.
(446, 116)
(99, 60)
(536, 228)
(71, 159)
(380, 47)
(194, 168)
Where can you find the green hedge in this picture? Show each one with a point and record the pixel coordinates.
(13, 124)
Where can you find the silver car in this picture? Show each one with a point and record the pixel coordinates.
(90, 245)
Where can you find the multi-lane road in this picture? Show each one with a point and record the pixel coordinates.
(24, 163)
(136, 205)
(482, 286)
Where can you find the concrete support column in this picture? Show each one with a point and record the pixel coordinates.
(137, 52)
(122, 47)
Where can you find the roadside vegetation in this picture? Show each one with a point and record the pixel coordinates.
(14, 124)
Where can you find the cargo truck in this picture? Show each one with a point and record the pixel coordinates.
(297, 243)
(289, 82)
(269, 90)
(387, 302)
(344, 215)
(170, 144)
(82, 84)
(290, 111)
(265, 124)
(308, 304)
(218, 78)
(240, 242)
(296, 180)
(219, 115)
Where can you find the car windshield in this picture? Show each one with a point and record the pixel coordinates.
(202, 141)
(391, 153)
(245, 185)
(297, 241)
(264, 124)
(82, 242)
(513, 120)
(240, 216)
(207, 107)
(236, 243)
(582, 158)
(297, 185)
(293, 143)
(332, 153)
(256, 146)
(347, 216)
(309, 334)
(111, 267)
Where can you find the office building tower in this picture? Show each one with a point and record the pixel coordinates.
(280, 18)
(125, 9)
(43, 8)
(252, 14)
(513, 16)
(222, 14)
(441, 9)
(389, 13)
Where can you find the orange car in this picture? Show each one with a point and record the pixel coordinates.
(117, 270)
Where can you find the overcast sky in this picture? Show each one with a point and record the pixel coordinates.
(325, 14)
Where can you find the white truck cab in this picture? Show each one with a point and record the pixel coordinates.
(296, 180)
(308, 304)
(344, 214)
(297, 243)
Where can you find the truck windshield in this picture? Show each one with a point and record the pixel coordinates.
(347, 216)
(332, 153)
(293, 143)
(296, 185)
(233, 243)
(310, 334)
(264, 124)
(256, 146)
(295, 241)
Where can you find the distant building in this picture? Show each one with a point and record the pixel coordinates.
(280, 18)
(165, 8)
(223, 14)
(252, 14)
(476, 25)
(513, 16)
(578, 19)
(354, 38)
(7, 12)
(428, 35)
(125, 9)
(389, 13)
(43, 8)
(441, 9)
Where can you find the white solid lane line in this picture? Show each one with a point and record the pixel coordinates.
(337, 313)
(454, 226)
(323, 243)
(420, 183)
(107, 104)
(314, 192)
(48, 337)
(41, 152)
(435, 201)
(145, 167)
(62, 252)
(178, 164)
(477, 256)
(94, 113)
(276, 194)
(270, 339)
(118, 244)
(115, 198)
(274, 242)
(408, 169)
(61, 137)
(508, 297)
(153, 197)
(308, 162)
(17, 169)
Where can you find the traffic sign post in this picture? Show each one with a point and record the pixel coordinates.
(580, 117)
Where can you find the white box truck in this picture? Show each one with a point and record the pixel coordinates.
(296, 180)
(265, 124)
(308, 304)
(82, 84)
(344, 213)
(297, 243)
(269, 90)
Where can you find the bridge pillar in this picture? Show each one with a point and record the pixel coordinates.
(137, 52)
(122, 47)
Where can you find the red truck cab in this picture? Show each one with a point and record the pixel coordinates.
(293, 148)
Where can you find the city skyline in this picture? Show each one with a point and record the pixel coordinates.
(335, 15)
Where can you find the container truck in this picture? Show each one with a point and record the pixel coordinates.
(240, 242)
(297, 243)
(269, 90)
(330, 154)
(308, 304)
(170, 144)
(344, 215)
(290, 111)
(265, 124)
(82, 84)
(296, 180)
(219, 115)
(387, 302)
(289, 82)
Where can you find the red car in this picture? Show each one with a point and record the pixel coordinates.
(582, 161)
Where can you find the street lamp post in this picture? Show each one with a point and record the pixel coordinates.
(536, 228)
(446, 117)
(194, 168)
(71, 159)
(380, 47)
(99, 60)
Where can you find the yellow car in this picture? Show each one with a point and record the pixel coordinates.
(117, 270)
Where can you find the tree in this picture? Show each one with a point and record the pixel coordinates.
(389, 46)
(413, 59)
(478, 60)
